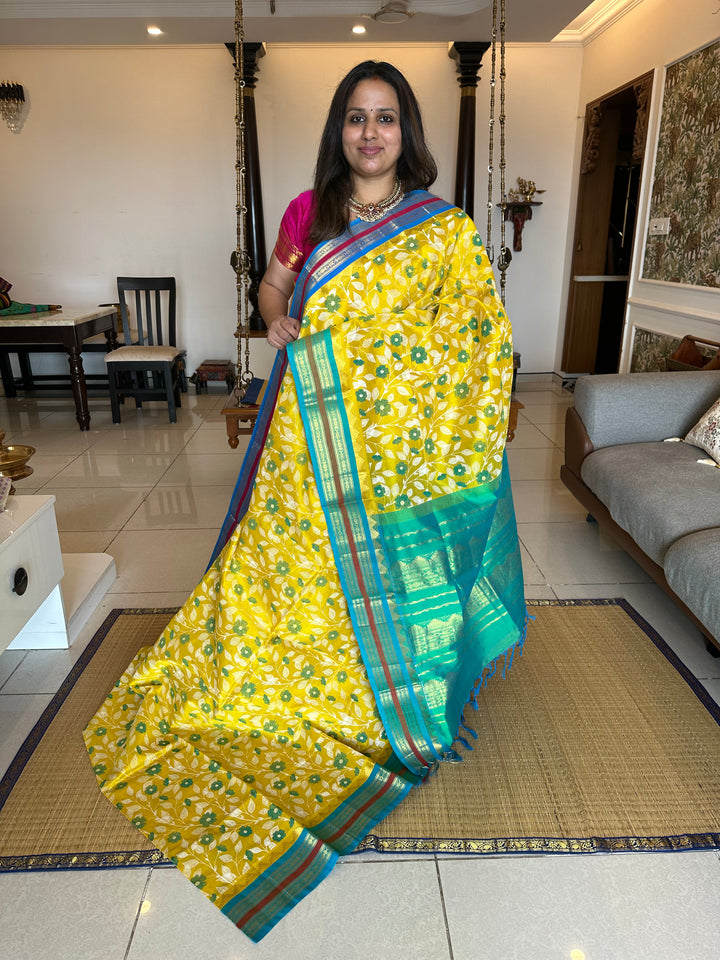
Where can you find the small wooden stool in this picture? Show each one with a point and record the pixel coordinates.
(213, 370)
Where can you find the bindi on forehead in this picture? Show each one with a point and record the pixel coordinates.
(371, 110)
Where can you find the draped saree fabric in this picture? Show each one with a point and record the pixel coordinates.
(366, 583)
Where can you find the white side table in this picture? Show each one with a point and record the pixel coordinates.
(45, 597)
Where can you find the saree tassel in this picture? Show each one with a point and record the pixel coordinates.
(469, 730)
(464, 742)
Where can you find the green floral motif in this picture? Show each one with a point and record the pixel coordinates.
(174, 837)
(199, 879)
(427, 411)
(379, 490)
(401, 468)
(294, 626)
(418, 354)
(402, 501)
(382, 407)
(506, 350)
(270, 726)
(286, 696)
(274, 811)
(282, 568)
(314, 778)
(206, 839)
(240, 627)
(307, 672)
(381, 370)
(489, 410)
(485, 327)
(272, 505)
(247, 689)
(207, 819)
(379, 259)
(332, 302)
(477, 240)
(414, 433)
(342, 676)
(429, 445)
(340, 761)
(245, 831)
(458, 469)
(411, 243)
(277, 835)
(277, 766)
(396, 339)
(361, 395)
(461, 390)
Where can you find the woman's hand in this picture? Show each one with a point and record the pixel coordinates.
(282, 330)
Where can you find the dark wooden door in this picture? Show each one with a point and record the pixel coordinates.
(614, 137)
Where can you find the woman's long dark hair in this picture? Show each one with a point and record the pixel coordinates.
(333, 176)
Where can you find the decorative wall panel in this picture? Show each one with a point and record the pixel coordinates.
(686, 186)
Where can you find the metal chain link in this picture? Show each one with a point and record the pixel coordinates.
(243, 376)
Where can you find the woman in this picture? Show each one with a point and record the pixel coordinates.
(368, 574)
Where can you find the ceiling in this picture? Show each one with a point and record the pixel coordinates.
(61, 22)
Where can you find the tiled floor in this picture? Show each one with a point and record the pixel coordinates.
(153, 495)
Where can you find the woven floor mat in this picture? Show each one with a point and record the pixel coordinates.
(598, 739)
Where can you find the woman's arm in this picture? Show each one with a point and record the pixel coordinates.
(276, 288)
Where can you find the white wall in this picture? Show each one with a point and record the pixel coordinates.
(126, 165)
(651, 36)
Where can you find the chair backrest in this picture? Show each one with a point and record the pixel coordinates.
(154, 313)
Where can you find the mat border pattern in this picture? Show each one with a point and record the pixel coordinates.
(482, 846)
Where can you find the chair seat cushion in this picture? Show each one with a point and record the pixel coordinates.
(657, 492)
(140, 354)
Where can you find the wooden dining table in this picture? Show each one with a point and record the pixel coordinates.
(66, 329)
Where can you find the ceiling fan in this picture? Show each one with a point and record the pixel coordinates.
(393, 11)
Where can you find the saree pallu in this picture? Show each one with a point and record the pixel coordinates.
(365, 585)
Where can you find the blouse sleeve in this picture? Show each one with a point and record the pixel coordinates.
(292, 247)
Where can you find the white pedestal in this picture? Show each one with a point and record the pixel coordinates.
(62, 590)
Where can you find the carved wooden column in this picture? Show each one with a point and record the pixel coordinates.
(468, 57)
(255, 223)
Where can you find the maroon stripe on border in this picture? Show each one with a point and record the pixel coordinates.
(280, 886)
(362, 809)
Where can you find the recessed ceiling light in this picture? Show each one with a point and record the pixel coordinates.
(154, 31)
(358, 28)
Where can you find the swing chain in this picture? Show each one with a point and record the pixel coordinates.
(243, 376)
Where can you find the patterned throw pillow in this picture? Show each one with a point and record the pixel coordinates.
(706, 432)
(4, 293)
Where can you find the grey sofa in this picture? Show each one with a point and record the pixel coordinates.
(659, 503)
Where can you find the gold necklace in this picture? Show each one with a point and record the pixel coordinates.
(371, 212)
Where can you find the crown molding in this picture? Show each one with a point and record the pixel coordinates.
(600, 16)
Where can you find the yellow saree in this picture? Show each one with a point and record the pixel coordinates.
(367, 579)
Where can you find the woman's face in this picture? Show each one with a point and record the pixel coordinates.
(371, 138)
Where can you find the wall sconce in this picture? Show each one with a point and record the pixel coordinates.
(12, 105)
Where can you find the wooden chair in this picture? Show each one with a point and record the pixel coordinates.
(150, 364)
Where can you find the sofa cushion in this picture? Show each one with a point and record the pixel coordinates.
(706, 432)
(657, 492)
(691, 569)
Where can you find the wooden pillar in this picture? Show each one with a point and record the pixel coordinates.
(255, 226)
(468, 57)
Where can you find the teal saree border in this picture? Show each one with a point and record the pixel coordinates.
(397, 688)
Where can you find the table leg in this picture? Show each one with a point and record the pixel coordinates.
(79, 386)
(8, 378)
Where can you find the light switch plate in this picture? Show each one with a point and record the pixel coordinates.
(659, 227)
